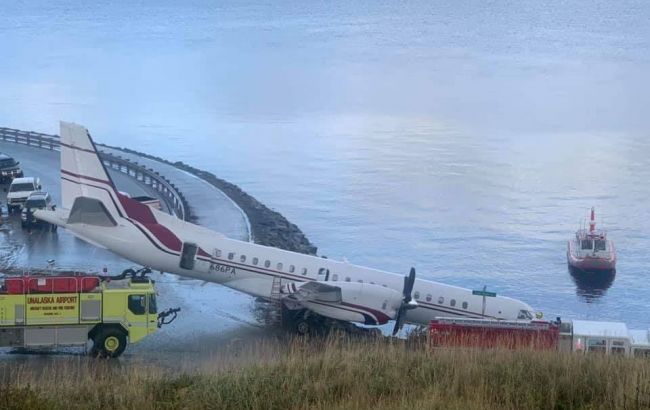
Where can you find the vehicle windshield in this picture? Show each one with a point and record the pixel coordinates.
(21, 187)
(7, 162)
(35, 203)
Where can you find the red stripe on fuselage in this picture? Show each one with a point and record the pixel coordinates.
(103, 181)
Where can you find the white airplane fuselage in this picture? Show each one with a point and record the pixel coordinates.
(94, 211)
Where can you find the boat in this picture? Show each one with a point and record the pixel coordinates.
(590, 250)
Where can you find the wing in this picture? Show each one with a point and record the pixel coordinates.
(312, 291)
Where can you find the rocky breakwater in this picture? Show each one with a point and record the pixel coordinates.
(268, 227)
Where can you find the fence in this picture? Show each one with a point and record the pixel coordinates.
(166, 189)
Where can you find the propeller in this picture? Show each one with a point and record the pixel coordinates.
(407, 301)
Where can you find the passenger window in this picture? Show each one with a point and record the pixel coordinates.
(255, 261)
(416, 295)
(279, 266)
(360, 281)
(137, 304)
(217, 253)
(465, 305)
(452, 302)
(428, 298)
(304, 271)
(242, 258)
(335, 277)
(347, 279)
(267, 263)
(441, 300)
(292, 268)
(231, 255)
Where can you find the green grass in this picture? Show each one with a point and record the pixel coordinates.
(339, 374)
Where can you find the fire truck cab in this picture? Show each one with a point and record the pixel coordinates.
(43, 311)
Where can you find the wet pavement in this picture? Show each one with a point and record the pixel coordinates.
(212, 317)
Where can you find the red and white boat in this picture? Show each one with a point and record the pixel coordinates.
(590, 250)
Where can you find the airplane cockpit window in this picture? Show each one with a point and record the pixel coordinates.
(586, 244)
(600, 245)
(525, 314)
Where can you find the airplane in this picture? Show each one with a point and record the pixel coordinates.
(309, 288)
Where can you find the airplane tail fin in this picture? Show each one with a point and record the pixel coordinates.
(83, 174)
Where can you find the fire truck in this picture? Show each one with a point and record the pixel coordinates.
(509, 334)
(579, 336)
(48, 311)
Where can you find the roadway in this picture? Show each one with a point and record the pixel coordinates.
(211, 316)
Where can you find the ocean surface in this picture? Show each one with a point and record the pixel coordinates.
(467, 139)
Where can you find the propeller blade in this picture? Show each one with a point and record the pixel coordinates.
(400, 318)
(409, 282)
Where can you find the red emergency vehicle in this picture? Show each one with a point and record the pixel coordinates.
(483, 333)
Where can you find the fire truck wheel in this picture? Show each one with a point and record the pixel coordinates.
(109, 343)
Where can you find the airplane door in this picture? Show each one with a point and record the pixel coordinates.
(323, 274)
(187, 255)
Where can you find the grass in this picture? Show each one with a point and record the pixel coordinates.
(338, 374)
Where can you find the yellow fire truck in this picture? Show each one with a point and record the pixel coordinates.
(46, 311)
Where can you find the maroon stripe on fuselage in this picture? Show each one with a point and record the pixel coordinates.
(63, 171)
(90, 151)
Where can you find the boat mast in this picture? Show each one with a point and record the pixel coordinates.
(592, 222)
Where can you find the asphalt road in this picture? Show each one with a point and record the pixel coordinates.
(211, 317)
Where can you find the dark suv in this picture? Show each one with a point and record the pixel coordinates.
(9, 168)
(35, 201)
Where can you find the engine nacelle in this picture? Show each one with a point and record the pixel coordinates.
(360, 302)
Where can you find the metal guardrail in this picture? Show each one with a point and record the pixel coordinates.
(165, 188)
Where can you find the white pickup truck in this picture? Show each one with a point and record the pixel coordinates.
(19, 190)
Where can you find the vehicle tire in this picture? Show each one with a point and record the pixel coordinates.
(303, 327)
(109, 342)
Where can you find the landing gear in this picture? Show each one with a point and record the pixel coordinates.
(303, 322)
